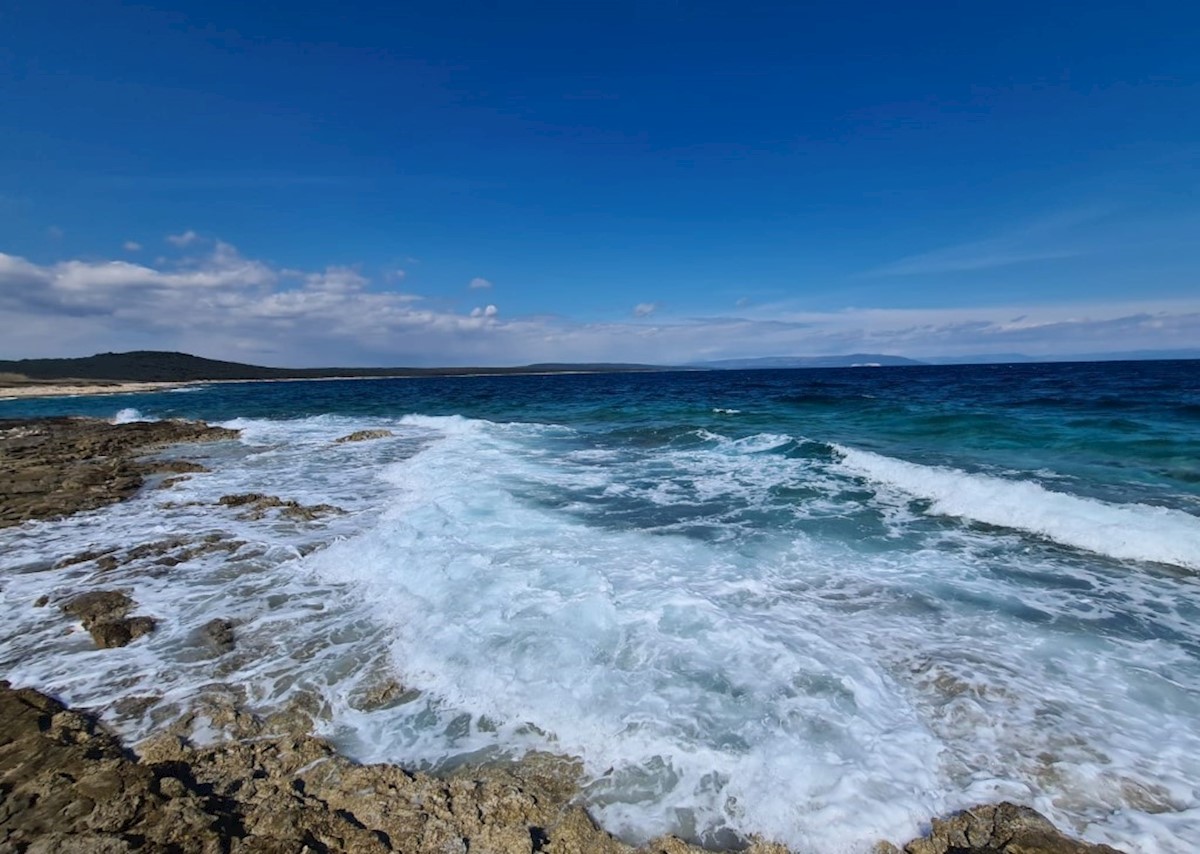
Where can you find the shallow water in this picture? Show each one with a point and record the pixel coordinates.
(818, 605)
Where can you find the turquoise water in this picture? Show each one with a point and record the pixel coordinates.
(821, 605)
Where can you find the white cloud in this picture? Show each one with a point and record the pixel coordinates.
(187, 238)
(131, 246)
(220, 303)
(55, 233)
(478, 283)
(645, 309)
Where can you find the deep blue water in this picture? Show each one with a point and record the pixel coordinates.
(1119, 430)
(817, 604)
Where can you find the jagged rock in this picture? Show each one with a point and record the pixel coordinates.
(84, 557)
(381, 694)
(364, 435)
(121, 632)
(51, 467)
(68, 786)
(257, 504)
(176, 467)
(104, 613)
(98, 606)
(1003, 828)
(218, 633)
(173, 551)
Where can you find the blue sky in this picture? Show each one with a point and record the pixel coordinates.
(492, 183)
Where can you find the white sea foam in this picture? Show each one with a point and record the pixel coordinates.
(1123, 531)
(128, 415)
(789, 679)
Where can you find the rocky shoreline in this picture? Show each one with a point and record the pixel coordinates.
(67, 784)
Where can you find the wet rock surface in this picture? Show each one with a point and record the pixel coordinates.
(365, 435)
(156, 556)
(104, 613)
(66, 784)
(1003, 828)
(255, 506)
(70, 786)
(52, 467)
(218, 635)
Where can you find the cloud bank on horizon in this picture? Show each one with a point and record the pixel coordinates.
(221, 304)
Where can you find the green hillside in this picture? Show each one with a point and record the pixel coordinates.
(156, 366)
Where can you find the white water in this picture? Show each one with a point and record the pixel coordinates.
(1126, 532)
(816, 690)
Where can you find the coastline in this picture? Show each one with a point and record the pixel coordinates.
(263, 768)
(18, 391)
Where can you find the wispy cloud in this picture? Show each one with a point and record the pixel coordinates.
(479, 283)
(1047, 238)
(131, 246)
(187, 238)
(645, 309)
(983, 255)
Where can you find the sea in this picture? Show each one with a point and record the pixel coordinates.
(822, 606)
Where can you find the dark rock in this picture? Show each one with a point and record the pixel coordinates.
(364, 435)
(175, 467)
(256, 505)
(70, 787)
(104, 614)
(100, 606)
(218, 633)
(121, 632)
(84, 557)
(1003, 828)
(51, 467)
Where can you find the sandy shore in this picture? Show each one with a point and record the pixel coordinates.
(268, 784)
(13, 391)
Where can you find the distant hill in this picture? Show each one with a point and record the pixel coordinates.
(1018, 358)
(156, 366)
(851, 361)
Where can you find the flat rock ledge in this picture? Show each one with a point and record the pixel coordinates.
(105, 614)
(364, 436)
(1003, 828)
(67, 785)
(52, 467)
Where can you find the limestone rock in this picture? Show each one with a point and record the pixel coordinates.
(68, 786)
(257, 504)
(104, 613)
(1003, 828)
(51, 467)
(218, 633)
(364, 435)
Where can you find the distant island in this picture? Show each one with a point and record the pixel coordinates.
(854, 360)
(158, 366)
(153, 366)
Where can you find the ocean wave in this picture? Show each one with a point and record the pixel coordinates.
(1138, 532)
